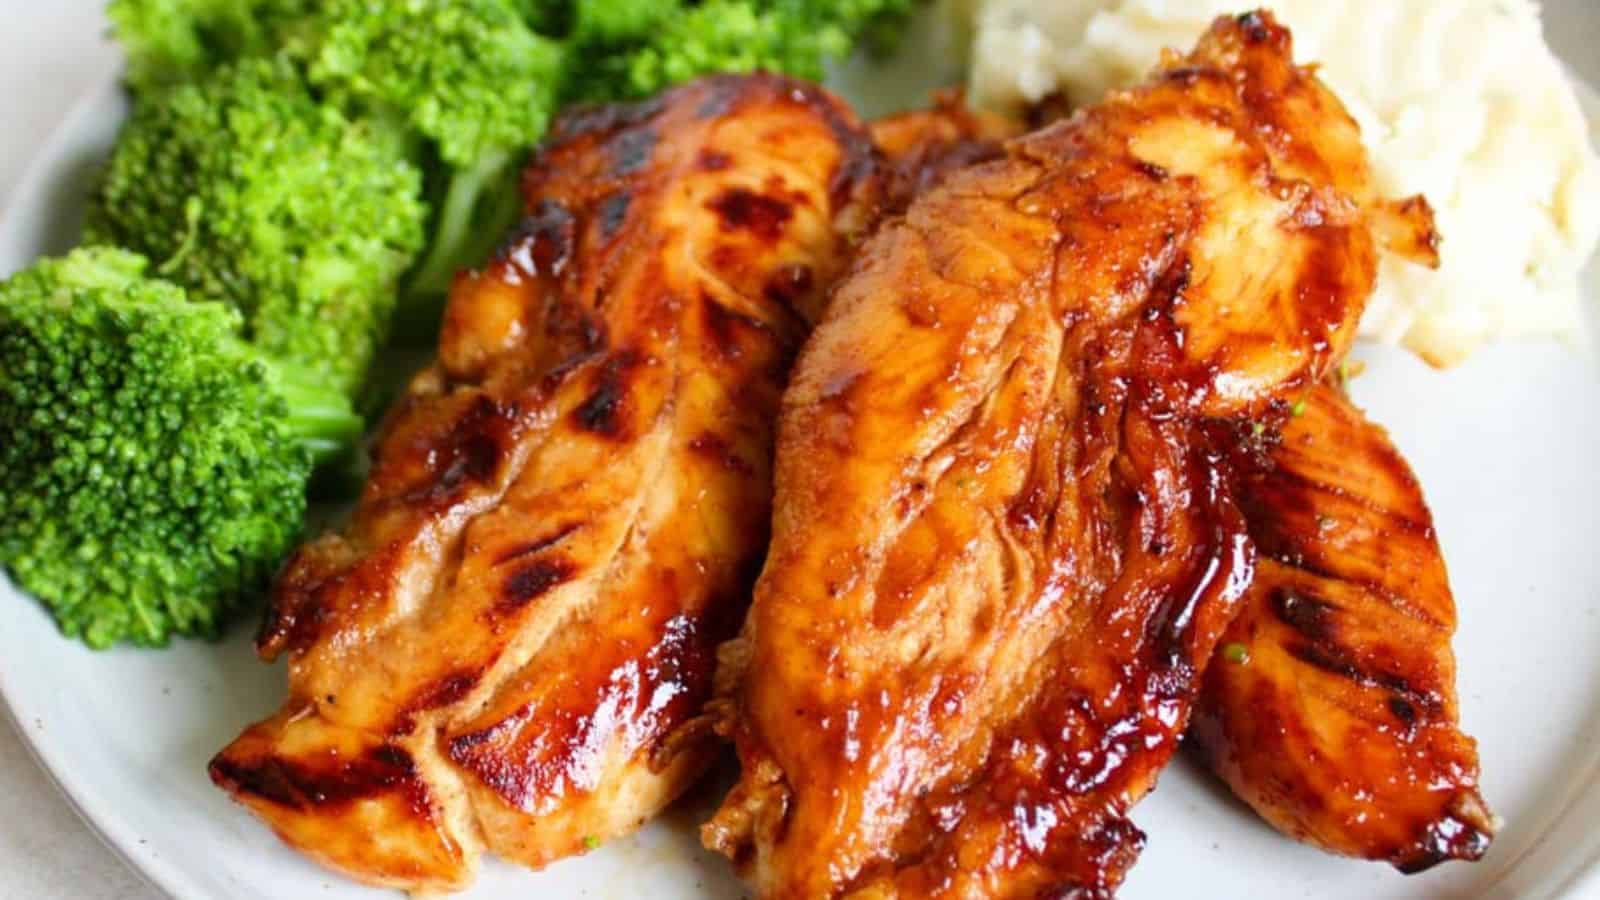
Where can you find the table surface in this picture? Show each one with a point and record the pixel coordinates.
(51, 53)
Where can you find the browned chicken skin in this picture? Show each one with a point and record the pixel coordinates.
(510, 646)
(923, 147)
(1006, 540)
(1333, 708)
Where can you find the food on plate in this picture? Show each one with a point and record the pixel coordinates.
(297, 162)
(510, 645)
(1462, 102)
(642, 46)
(224, 184)
(461, 89)
(922, 147)
(1332, 710)
(475, 86)
(1062, 473)
(154, 464)
(1006, 538)
(475, 82)
(175, 41)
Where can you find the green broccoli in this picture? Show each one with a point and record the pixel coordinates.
(616, 23)
(551, 18)
(172, 41)
(683, 41)
(473, 82)
(154, 468)
(470, 83)
(245, 188)
(278, 172)
(472, 79)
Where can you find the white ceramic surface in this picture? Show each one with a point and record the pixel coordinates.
(1503, 446)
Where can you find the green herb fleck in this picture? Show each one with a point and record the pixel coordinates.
(1299, 408)
(1236, 653)
(591, 842)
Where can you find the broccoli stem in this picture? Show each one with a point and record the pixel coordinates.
(479, 205)
(318, 415)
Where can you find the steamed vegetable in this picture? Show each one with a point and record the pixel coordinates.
(471, 79)
(468, 85)
(176, 41)
(292, 169)
(476, 82)
(245, 189)
(680, 41)
(154, 466)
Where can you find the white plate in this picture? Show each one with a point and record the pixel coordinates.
(1505, 447)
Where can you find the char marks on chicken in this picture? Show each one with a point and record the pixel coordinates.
(1333, 710)
(510, 645)
(1007, 532)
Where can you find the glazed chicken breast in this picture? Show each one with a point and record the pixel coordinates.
(923, 147)
(1332, 710)
(1006, 533)
(510, 645)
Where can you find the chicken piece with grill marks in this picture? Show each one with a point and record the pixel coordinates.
(1006, 540)
(1332, 710)
(510, 646)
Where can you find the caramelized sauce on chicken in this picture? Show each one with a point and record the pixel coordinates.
(1039, 496)
(1007, 532)
(510, 646)
(1332, 711)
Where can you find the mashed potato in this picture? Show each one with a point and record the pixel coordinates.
(1459, 100)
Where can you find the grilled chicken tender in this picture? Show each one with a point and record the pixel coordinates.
(1005, 539)
(1333, 709)
(923, 147)
(510, 646)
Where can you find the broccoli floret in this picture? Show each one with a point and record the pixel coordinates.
(474, 82)
(171, 41)
(616, 23)
(732, 37)
(154, 465)
(795, 37)
(294, 119)
(245, 188)
(472, 78)
(551, 18)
